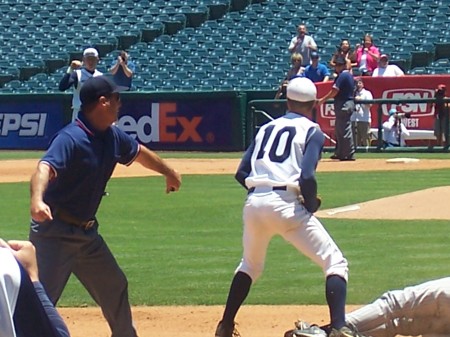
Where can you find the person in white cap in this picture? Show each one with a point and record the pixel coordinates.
(278, 172)
(385, 69)
(77, 73)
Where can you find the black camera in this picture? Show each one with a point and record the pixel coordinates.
(400, 115)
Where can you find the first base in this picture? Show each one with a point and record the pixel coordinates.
(402, 160)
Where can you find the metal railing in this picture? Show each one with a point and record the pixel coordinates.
(261, 111)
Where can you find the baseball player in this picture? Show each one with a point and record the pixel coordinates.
(423, 309)
(278, 170)
(66, 190)
(77, 73)
(25, 310)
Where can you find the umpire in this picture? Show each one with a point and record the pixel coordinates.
(344, 105)
(66, 190)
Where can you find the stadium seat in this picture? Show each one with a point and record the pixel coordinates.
(442, 50)
(420, 58)
(215, 32)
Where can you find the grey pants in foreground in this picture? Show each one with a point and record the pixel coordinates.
(63, 249)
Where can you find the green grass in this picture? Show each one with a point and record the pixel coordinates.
(8, 155)
(182, 248)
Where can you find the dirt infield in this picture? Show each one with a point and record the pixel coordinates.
(197, 321)
(21, 170)
(265, 321)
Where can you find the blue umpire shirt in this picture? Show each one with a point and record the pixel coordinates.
(346, 85)
(84, 160)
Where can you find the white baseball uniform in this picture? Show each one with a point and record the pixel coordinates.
(278, 170)
(276, 162)
(423, 309)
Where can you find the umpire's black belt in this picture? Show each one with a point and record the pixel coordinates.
(71, 220)
(274, 188)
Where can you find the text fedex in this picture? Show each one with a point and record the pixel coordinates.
(162, 126)
(25, 125)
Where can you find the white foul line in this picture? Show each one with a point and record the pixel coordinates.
(343, 209)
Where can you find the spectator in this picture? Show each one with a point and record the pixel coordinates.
(77, 73)
(25, 310)
(394, 131)
(303, 44)
(343, 50)
(385, 69)
(316, 71)
(344, 105)
(296, 70)
(66, 190)
(361, 118)
(366, 56)
(123, 70)
(441, 126)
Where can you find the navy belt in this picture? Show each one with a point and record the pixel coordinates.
(274, 188)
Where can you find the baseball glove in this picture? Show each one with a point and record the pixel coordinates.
(311, 205)
(305, 329)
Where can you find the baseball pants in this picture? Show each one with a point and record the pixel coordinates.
(62, 249)
(343, 131)
(270, 213)
(418, 310)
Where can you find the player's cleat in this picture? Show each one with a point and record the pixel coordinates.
(224, 330)
(305, 329)
(345, 331)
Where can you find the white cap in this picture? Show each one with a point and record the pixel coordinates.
(90, 52)
(301, 89)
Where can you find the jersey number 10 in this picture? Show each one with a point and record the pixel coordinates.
(278, 140)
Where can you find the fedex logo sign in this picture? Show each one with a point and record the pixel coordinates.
(26, 125)
(418, 109)
(162, 126)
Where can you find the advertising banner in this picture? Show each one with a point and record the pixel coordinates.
(29, 125)
(192, 122)
(397, 88)
(181, 124)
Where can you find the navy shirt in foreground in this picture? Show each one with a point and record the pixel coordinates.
(34, 314)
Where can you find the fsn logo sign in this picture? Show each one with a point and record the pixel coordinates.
(418, 109)
(25, 125)
(160, 126)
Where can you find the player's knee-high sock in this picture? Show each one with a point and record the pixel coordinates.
(240, 287)
(336, 294)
